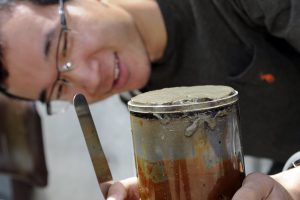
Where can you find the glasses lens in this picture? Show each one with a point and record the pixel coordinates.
(59, 101)
(57, 107)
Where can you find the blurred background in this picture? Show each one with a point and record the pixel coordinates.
(71, 174)
(70, 171)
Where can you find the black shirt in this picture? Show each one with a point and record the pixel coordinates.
(251, 45)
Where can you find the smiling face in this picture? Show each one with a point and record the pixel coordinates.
(105, 47)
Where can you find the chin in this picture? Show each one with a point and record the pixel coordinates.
(140, 82)
(96, 98)
(136, 86)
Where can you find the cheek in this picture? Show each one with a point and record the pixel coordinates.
(111, 31)
(29, 83)
(139, 73)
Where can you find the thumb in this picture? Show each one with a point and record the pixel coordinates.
(117, 191)
(255, 186)
(125, 189)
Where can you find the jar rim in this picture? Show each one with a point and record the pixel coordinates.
(184, 107)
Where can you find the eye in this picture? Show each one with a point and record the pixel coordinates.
(63, 44)
(64, 40)
(63, 49)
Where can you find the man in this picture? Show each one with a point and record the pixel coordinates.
(103, 48)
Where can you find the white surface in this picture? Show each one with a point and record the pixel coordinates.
(71, 174)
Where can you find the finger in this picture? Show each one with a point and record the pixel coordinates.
(279, 193)
(131, 185)
(288, 181)
(117, 191)
(255, 186)
(125, 189)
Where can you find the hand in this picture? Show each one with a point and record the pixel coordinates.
(256, 186)
(126, 189)
(281, 186)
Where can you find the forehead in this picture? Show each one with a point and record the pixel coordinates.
(27, 10)
(23, 34)
(35, 18)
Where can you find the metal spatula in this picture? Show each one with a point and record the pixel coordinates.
(97, 155)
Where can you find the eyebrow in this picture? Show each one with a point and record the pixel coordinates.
(48, 44)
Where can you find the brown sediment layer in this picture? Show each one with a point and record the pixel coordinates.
(188, 179)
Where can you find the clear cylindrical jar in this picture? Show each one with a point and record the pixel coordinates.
(187, 143)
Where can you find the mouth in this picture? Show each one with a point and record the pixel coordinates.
(120, 74)
(116, 68)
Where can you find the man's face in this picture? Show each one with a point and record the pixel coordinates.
(105, 49)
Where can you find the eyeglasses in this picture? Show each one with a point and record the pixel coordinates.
(55, 100)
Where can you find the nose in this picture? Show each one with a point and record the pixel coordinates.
(84, 77)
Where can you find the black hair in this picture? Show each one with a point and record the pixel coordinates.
(4, 4)
(3, 71)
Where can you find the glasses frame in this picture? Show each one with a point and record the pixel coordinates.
(63, 29)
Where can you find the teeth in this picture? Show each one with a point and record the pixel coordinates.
(117, 70)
